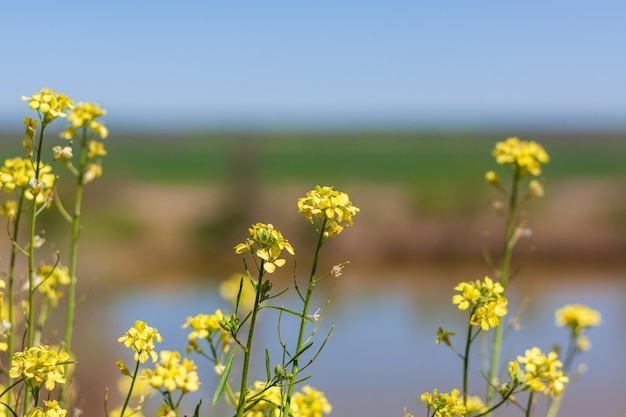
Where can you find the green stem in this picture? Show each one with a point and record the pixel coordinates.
(11, 284)
(303, 319)
(246, 358)
(466, 360)
(31, 246)
(130, 390)
(71, 290)
(504, 280)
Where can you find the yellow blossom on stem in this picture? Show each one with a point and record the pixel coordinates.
(443, 404)
(333, 209)
(39, 365)
(310, 403)
(538, 372)
(49, 278)
(140, 338)
(170, 374)
(577, 317)
(96, 149)
(203, 326)
(49, 104)
(266, 243)
(85, 115)
(525, 156)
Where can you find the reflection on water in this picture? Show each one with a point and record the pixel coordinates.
(382, 356)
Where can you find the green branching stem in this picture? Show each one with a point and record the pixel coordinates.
(304, 317)
(248, 348)
(509, 243)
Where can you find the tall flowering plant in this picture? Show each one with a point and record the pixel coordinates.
(30, 181)
(535, 373)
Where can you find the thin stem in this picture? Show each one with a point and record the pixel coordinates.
(11, 284)
(504, 280)
(303, 318)
(130, 390)
(466, 359)
(246, 358)
(71, 290)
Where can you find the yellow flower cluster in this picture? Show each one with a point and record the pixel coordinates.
(49, 279)
(20, 173)
(577, 317)
(85, 115)
(527, 157)
(538, 372)
(140, 338)
(485, 299)
(269, 244)
(49, 104)
(203, 326)
(171, 374)
(53, 410)
(308, 403)
(39, 365)
(443, 404)
(333, 208)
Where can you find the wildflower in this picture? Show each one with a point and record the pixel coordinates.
(527, 157)
(269, 244)
(486, 299)
(171, 374)
(315, 316)
(9, 209)
(84, 115)
(54, 410)
(39, 365)
(309, 403)
(535, 189)
(62, 152)
(203, 326)
(470, 295)
(333, 208)
(166, 411)
(49, 104)
(538, 372)
(475, 405)
(140, 339)
(93, 171)
(577, 317)
(53, 277)
(96, 149)
(488, 316)
(444, 405)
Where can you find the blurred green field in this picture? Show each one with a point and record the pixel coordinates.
(409, 158)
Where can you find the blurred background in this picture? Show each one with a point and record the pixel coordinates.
(222, 115)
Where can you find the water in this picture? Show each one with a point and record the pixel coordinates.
(382, 356)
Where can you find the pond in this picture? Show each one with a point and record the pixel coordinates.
(382, 356)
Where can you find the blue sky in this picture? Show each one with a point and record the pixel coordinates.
(172, 64)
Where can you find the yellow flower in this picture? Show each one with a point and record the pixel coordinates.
(577, 317)
(84, 115)
(444, 336)
(332, 208)
(527, 157)
(535, 189)
(96, 149)
(54, 410)
(140, 339)
(540, 372)
(492, 178)
(9, 209)
(309, 403)
(203, 326)
(470, 295)
(488, 316)
(49, 279)
(39, 365)
(444, 405)
(269, 244)
(171, 374)
(93, 171)
(49, 104)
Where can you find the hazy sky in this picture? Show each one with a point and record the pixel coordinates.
(214, 63)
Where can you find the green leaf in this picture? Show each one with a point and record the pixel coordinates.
(224, 378)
